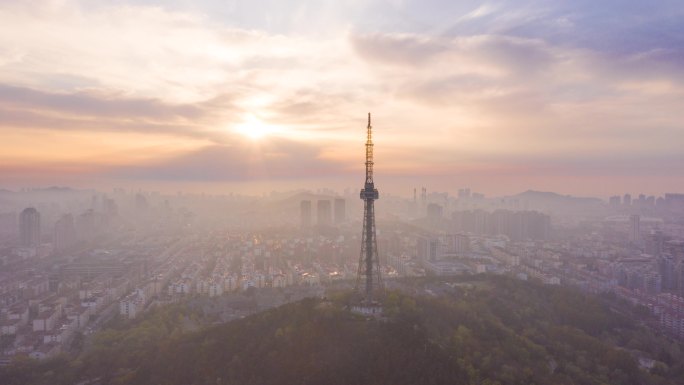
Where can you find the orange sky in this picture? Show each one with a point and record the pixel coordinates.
(257, 95)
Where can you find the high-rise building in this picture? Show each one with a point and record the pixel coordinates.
(457, 243)
(89, 225)
(340, 210)
(8, 224)
(29, 227)
(428, 248)
(615, 200)
(464, 193)
(324, 213)
(434, 211)
(627, 200)
(141, 202)
(517, 225)
(667, 268)
(305, 213)
(634, 229)
(110, 207)
(641, 201)
(65, 233)
(674, 199)
(679, 277)
(654, 243)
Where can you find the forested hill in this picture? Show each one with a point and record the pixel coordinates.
(490, 330)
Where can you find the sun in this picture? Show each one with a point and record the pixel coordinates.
(255, 129)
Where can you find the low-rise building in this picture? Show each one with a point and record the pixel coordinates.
(45, 321)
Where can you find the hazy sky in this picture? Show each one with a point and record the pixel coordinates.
(574, 96)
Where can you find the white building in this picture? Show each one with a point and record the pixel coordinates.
(279, 280)
(215, 289)
(231, 283)
(9, 327)
(131, 306)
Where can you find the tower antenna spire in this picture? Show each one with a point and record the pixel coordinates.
(369, 152)
(369, 262)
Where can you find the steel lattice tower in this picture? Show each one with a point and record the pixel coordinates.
(369, 262)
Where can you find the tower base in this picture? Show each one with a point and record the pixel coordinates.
(367, 308)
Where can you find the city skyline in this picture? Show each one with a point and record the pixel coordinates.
(181, 198)
(572, 97)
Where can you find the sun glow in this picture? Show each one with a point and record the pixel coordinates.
(255, 129)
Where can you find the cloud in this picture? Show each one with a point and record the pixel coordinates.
(481, 11)
(490, 55)
(317, 109)
(615, 27)
(109, 112)
(449, 83)
(510, 95)
(142, 51)
(93, 104)
(398, 48)
(274, 158)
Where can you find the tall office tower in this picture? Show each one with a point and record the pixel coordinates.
(324, 213)
(654, 243)
(29, 227)
(340, 210)
(65, 233)
(434, 211)
(634, 230)
(110, 207)
(8, 224)
(369, 261)
(141, 203)
(642, 200)
(667, 270)
(305, 213)
(89, 225)
(615, 200)
(627, 200)
(679, 277)
(674, 200)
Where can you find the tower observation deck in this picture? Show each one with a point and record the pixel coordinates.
(369, 262)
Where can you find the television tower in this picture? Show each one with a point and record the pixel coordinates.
(369, 262)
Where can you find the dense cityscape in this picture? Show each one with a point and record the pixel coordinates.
(74, 260)
(367, 192)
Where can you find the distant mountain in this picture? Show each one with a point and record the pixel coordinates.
(552, 196)
(550, 201)
(56, 188)
(46, 190)
(486, 330)
(295, 199)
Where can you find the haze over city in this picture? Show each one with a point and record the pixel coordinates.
(393, 192)
(578, 97)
